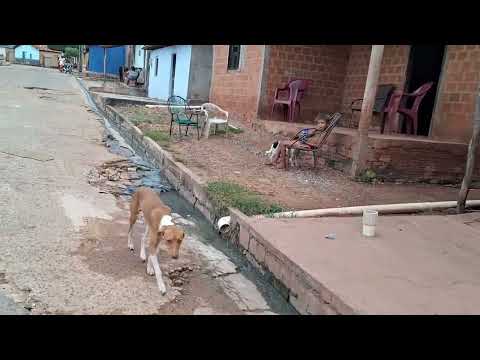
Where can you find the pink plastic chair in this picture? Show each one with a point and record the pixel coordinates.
(411, 114)
(296, 89)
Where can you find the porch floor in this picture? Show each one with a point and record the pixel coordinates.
(415, 265)
(290, 129)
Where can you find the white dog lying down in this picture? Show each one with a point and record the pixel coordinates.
(274, 149)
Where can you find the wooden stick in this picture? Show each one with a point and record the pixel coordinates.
(472, 149)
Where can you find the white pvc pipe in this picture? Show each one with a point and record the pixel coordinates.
(383, 209)
(173, 106)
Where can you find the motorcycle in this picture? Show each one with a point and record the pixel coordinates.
(68, 68)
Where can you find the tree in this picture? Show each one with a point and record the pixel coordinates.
(70, 52)
(62, 47)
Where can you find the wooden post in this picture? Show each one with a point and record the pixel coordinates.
(472, 149)
(361, 152)
(104, 66)
(146, 66)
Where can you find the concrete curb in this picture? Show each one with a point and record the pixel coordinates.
(303, 292)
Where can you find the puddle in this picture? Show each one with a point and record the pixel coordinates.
(77, 209)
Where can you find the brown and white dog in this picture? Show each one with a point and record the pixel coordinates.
(158, 226)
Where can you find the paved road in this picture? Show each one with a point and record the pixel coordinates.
(62, 243)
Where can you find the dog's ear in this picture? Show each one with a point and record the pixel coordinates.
(161, 232)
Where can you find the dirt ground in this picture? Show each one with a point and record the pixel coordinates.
(63, 246)
(240, 158)
(196, 291)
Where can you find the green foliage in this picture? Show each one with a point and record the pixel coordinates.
(224, 194)
(368, 176)
(61, 47)
(160, 137)
(70, 52)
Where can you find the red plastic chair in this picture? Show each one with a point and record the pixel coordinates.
(296, 89)
(411, 114)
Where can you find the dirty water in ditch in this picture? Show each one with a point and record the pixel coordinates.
(207, 240)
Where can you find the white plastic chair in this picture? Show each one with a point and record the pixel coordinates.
(212, 117)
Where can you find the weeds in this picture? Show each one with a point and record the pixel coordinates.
(162, 138)
(225, 194)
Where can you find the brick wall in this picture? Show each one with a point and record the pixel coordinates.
(394, 158)
(393, 71)
(459, 83)
(422, 160)
(237, 91)
(324, 64)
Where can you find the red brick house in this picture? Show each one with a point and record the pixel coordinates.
(244, 81)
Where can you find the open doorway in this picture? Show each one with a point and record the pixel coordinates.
(172, 74)
(425, 65)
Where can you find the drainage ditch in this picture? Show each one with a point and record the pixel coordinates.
(136, 171)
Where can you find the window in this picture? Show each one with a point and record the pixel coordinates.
(24, 54)
(234, 57)
(30, 56)
(139, 52)
(156, 66)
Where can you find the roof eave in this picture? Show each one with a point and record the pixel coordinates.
(154, 47)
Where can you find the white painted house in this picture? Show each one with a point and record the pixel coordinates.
(139, 56)
(181, 70)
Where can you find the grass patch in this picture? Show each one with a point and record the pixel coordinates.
(139, 115)
(162, 138)
(224, 194)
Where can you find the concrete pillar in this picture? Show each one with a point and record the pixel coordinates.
(360, 153)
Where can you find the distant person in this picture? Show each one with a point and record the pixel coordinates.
(141, 77)
(61, 62)
(132, 75)
(121, 72)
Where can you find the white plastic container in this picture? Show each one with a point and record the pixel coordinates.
(369, 222)
(223, 224)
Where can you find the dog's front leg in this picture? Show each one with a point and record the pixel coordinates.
(153, 262)
(130, 240)
(143, 256)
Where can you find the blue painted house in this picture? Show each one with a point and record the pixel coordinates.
(116, 57)
(181, 70)
(27, 54)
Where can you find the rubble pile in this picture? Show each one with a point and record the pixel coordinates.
(179, 275)
(116, 176)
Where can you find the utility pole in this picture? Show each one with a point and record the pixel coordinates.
(80, 58)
